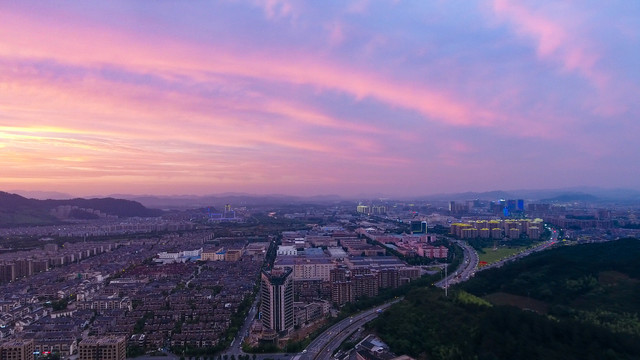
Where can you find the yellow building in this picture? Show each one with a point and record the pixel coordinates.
(533, 232)
(211, 254)
(233, 255)
(469, 232)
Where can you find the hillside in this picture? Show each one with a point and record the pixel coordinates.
(598, 283)
(574, 302)
(16, 210)
(571, 197)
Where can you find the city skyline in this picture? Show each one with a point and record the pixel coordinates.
(275, 96)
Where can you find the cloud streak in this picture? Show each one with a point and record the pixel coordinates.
(174, 59)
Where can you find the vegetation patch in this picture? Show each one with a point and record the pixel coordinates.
(464, 297)
(612, 278)
(522, 302)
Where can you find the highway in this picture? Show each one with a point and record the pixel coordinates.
(322, 347)
(467, 267)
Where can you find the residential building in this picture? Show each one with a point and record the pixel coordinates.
(103, 348)
(17, 350)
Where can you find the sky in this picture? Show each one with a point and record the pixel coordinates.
(318, 97)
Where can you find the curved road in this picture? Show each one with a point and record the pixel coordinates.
(322, 347)
(467, 267)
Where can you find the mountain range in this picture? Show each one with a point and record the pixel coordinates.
(16, 210)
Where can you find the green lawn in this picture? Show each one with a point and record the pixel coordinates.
(490, 255)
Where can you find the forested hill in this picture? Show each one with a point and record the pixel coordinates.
(573, 302)
(16, 210)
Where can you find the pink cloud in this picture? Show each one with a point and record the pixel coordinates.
(555, 40)
(147, 110)
(203, 63)
(131, 121)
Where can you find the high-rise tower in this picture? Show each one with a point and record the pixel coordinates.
(276, 296)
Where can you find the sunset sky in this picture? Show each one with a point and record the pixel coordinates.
(318, 97)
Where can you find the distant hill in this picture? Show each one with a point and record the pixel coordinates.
(573, 302)
(572, 197)
(581, 194)
(42, 195)
(235, 199)
(16, 210)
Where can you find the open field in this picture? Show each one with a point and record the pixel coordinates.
(490, 255)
